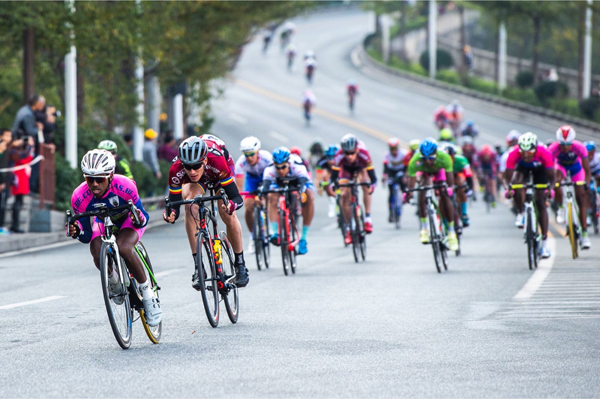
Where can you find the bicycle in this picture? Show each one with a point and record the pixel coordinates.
(307, 112)
(594, 207)
(121, 315)
(437, 234)
(573, 227)
(260, 233)
(488, 197)
(532, 237)
(458, 224)
(357, 221)
(395, 206)
(213, 252)
(288, 231)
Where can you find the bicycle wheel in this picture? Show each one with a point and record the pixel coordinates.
(530, 239)
(362, 235)
(266, 248)
(435, 240)
(443, 247)
(209, 284)
(154, 333)
(292, 252)
(397, 208)
(120, 316)
(355, 233)
(593, 209)
(231, 298)
(258, 241)
(284, 239)
(572, 229)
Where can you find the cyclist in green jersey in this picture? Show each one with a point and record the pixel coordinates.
(121, 165)
(462, 174)
(430, 165)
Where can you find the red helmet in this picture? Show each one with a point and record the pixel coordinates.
(393, 143)
(487, 149)
(296, 150)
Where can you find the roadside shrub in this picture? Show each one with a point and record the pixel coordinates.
(524, 79)
(589, 106)
(449, 77)
(568, 106)
(482, 85)
(523, 95)
(443, 60)
(549, 90)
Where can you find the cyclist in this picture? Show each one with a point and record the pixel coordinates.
(202, 162)
(353, 159)
(486, 164)
(594, 158)
(470, 130)
(103, 186)
(455, 116)
(308, 102)
(512, 139)
(462, 174)
(428, 165)
(468, 149)
(530, 157)
(310, 63)
(121, 164)
(298, 152)
(413, 147)
(290, 53)
(284, 167)
(316, 151)
(446, 135)
(393, 167)
(441, 117)
(352, 91)
(571, 157)
(324, 174)
(250, 167)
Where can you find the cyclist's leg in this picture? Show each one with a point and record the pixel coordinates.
(127, 239)
(96, 242)
(520, 176)
(273, 213)
(558, 192)
(424, 180)
(308, 212)
(539, 177)
(581, 196)
(391, 191)
(363, 176)
(189, 191)
(345, 200)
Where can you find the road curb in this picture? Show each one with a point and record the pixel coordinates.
(360, 58)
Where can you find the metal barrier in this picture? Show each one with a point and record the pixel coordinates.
(47, 176)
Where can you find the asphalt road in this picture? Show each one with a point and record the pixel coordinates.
(389, 327)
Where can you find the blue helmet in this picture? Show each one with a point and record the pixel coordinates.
(428, 147)
(332, 150)
(470, 123)
(590, 145)
(281, 155)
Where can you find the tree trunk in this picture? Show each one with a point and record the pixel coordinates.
(536, 47)
(378, 24)
(497, 53)
(463, 36)
(80, 88)
(580, 49)
(28, 63)
(402, 54)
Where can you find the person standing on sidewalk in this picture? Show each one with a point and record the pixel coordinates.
(5, 177)
(21, 153)
(149, 156)
(26, 125)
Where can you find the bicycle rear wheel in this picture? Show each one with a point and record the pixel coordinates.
(435, 240)
(284, 241)
(292, 251)
(362, 234)
(397, 208)
(257, 235)
(266, 247)
(209, 284)
(572, 229)
(120, 316)
(530, 239)
(154, 333)
(231, 298)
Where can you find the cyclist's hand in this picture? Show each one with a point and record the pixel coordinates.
(73, 230)
(173, 215)
(407, 197)
(508, 194)
(330, 191)
(371, 189)
(229, 208)
(140, 216)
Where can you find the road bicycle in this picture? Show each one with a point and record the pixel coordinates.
(288, 230)
(351, 100)
(214, 257)
(594, 207)
(531, 234)
(356, 224)
(310, 70)
(458, 224)
(120, 307)
(573, 227)
(437, 232)
(396, 200)
(260, 232)
(307, 112)
(486, 182)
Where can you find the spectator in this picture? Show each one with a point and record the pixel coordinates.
(149, 153)
(168, 151)
(25, 123)
(5, 177)
(129, 141)
(21, 153)
(468, 57)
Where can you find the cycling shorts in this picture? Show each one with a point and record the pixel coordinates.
(538, 172)
(98, 228)
(575, 170)
(252, 184)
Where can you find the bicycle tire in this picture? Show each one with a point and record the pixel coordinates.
(362, 235)
(231, 298)
(257, 234)
(434, 239)
(209, 285)
(125, 313)
(292, 252)
(266, 247)
(443, 247)
(530, 238)
(154, 333)
(354, 231)
(285, 259)
(571, 230)
(593, 209)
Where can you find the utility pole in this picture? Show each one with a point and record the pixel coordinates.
(386, 23)
(502, 57)
(138, 130)
(178, 116)
(71, 97)
(432, 38)
(587, 54)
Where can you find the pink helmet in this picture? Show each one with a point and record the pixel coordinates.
(393, 143)
(565, 134)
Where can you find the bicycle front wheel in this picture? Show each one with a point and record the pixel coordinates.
(209, 280)
(361, 234)
(231, 297)
(257, 236)
(284, 241)
(435, 241)
(266, 248)
(118, 306)
(530, 238)
(572, 229)
(154, 333)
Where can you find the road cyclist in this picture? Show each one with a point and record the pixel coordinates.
(594, 203)
(323, 175)
(470, 130)
(486, 165)
(463, 175)
(106, 193)
(530, 159)
(290, 53)
(308, 102)
(352, 92)
(122, 166)
(394, 170)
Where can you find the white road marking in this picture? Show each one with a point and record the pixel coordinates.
(279, 136)
(535, 281)
(330, 227)
(238, 118)
(167, 272)
(41, 248)
(19, 304)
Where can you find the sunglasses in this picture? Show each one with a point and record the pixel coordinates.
(349, 153)
(97, 179)
(430, 158)
(249, 154)
(281, 167)
(195, 167)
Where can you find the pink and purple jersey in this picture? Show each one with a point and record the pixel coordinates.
(575, 154)
(542, 157)
(121, 190)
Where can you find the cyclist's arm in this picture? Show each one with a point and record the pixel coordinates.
(175, 189)
(127, 189)
(126, 168)
(372, 175)
(79, 204)
(232, 192)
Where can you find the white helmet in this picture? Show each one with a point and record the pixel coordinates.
(565, 134)
(528, 142)
(512, 135)
(250, 144)
(98, 163)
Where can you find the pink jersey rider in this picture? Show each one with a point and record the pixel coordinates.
(570, 161)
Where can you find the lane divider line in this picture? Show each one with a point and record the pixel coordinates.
(19, 304)
(238, 118)
(279, 136)
(540, 274)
